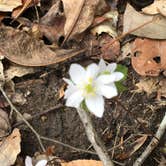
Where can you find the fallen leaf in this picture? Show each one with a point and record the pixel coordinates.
(61, 91)
(107, 26)
(109, 51)
(2, 77)
(21, 48)
(4, 123)
(148, 56)
(162, 89)
(125, 52)
(17, 71)
(133, 148)
(83, 163)
(157, 7)
(10, 148)
(9, 5)
(148, 85)
(79, 16)
(26, 4)
(154, 26)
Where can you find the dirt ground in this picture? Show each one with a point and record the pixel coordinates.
(129, 123)
(129, 115)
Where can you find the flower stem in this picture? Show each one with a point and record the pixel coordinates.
(93, 137)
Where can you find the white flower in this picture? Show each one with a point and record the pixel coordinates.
(28, 162)
(92, 85)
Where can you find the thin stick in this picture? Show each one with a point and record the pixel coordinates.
(68, 146)
(154, 142)
(22, 117)
(93, 137)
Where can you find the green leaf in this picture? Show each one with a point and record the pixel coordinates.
(123, 69)
(119, 84)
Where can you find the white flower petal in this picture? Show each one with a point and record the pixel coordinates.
(106, 78)
(92, 71)
(102, 65)
(28, 161)
(95, 105)
(75, 99)
(69, 82)
(107, 91)
(118, 75)
(70, 90)
(77, 73)
(41, 163)
(111, 67)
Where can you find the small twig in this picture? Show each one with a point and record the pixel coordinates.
(117, 133)
(25, 121)
(93, 137)
(154, 142)
(68, 146)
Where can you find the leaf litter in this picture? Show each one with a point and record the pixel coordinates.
(58, 38)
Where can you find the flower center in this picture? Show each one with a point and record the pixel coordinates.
(88, 87)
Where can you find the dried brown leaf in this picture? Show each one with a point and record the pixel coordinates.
(134, 19)
(157, 7)
(9, 5)
(79, 16)
(21, 48)
(83, 163)
(148, 85)
(148, 56)
(26, 4)
(10, 148)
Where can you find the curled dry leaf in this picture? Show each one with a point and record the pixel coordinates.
(26, 4)
(148, 85)
(9, 5)
(83, 163)
(108, 25)
(17, 71)
(79, 16)
(10, 148)
(4, 123)
(148, 56)
(154, 26)
(158, 7)
(21, 48)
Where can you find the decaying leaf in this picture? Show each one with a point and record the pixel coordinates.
(21, 48)
(17, 71)
(26, 3)
(133, 148)
(109, 50)
(4, 123)
(162, 89)
(83, 163)
(157, 7)
(148, 85)
(10, 148)
(125, 52)
(107, 26)
(9, 5)
(148, 56)
(154, 26)
(79, 15)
